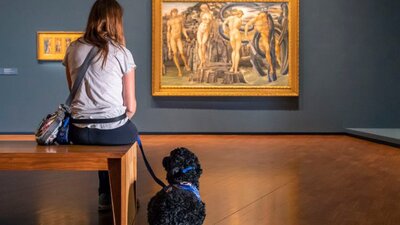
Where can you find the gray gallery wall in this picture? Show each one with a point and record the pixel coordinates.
(349, 71)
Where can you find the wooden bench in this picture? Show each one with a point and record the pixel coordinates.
(120, 161)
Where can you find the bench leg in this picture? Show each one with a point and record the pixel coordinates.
(122, 173)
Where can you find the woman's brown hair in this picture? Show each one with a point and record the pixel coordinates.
(105, 25)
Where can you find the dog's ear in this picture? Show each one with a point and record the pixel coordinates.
(166, 163)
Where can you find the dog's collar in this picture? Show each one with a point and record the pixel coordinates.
(187, 169)
(187, 187)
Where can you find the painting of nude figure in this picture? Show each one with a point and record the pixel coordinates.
(221, 48)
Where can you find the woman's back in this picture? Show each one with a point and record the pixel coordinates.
(101, 92)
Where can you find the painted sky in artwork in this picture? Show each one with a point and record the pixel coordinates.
(249, 12)
(168, 6)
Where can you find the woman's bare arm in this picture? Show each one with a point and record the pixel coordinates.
(129, 93)
(68, 77)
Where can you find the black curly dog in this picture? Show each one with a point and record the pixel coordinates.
(178, 203)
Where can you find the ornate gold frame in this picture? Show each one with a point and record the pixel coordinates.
(291, 90)
(54, 35)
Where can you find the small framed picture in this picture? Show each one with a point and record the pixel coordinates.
(52, 45)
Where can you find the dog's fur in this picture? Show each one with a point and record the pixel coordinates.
(171, 205)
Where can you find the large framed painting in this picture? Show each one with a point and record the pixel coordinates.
(225, 48)
(52, 45)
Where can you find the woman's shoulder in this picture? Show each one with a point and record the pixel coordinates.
(78, 44)
(124, 56)
(120, 51)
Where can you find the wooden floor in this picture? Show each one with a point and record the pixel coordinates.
(247, 180)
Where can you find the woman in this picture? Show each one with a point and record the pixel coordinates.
(107, 92)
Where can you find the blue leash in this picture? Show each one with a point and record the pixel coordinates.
(153, 175)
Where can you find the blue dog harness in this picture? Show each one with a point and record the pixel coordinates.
(189, 187)
(185, 186)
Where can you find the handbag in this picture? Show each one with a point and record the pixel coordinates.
(53, 129)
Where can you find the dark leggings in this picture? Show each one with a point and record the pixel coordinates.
(123, 135)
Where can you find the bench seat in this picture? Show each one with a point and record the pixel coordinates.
(120, 161)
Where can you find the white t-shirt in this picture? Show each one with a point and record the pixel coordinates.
(100, 94)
